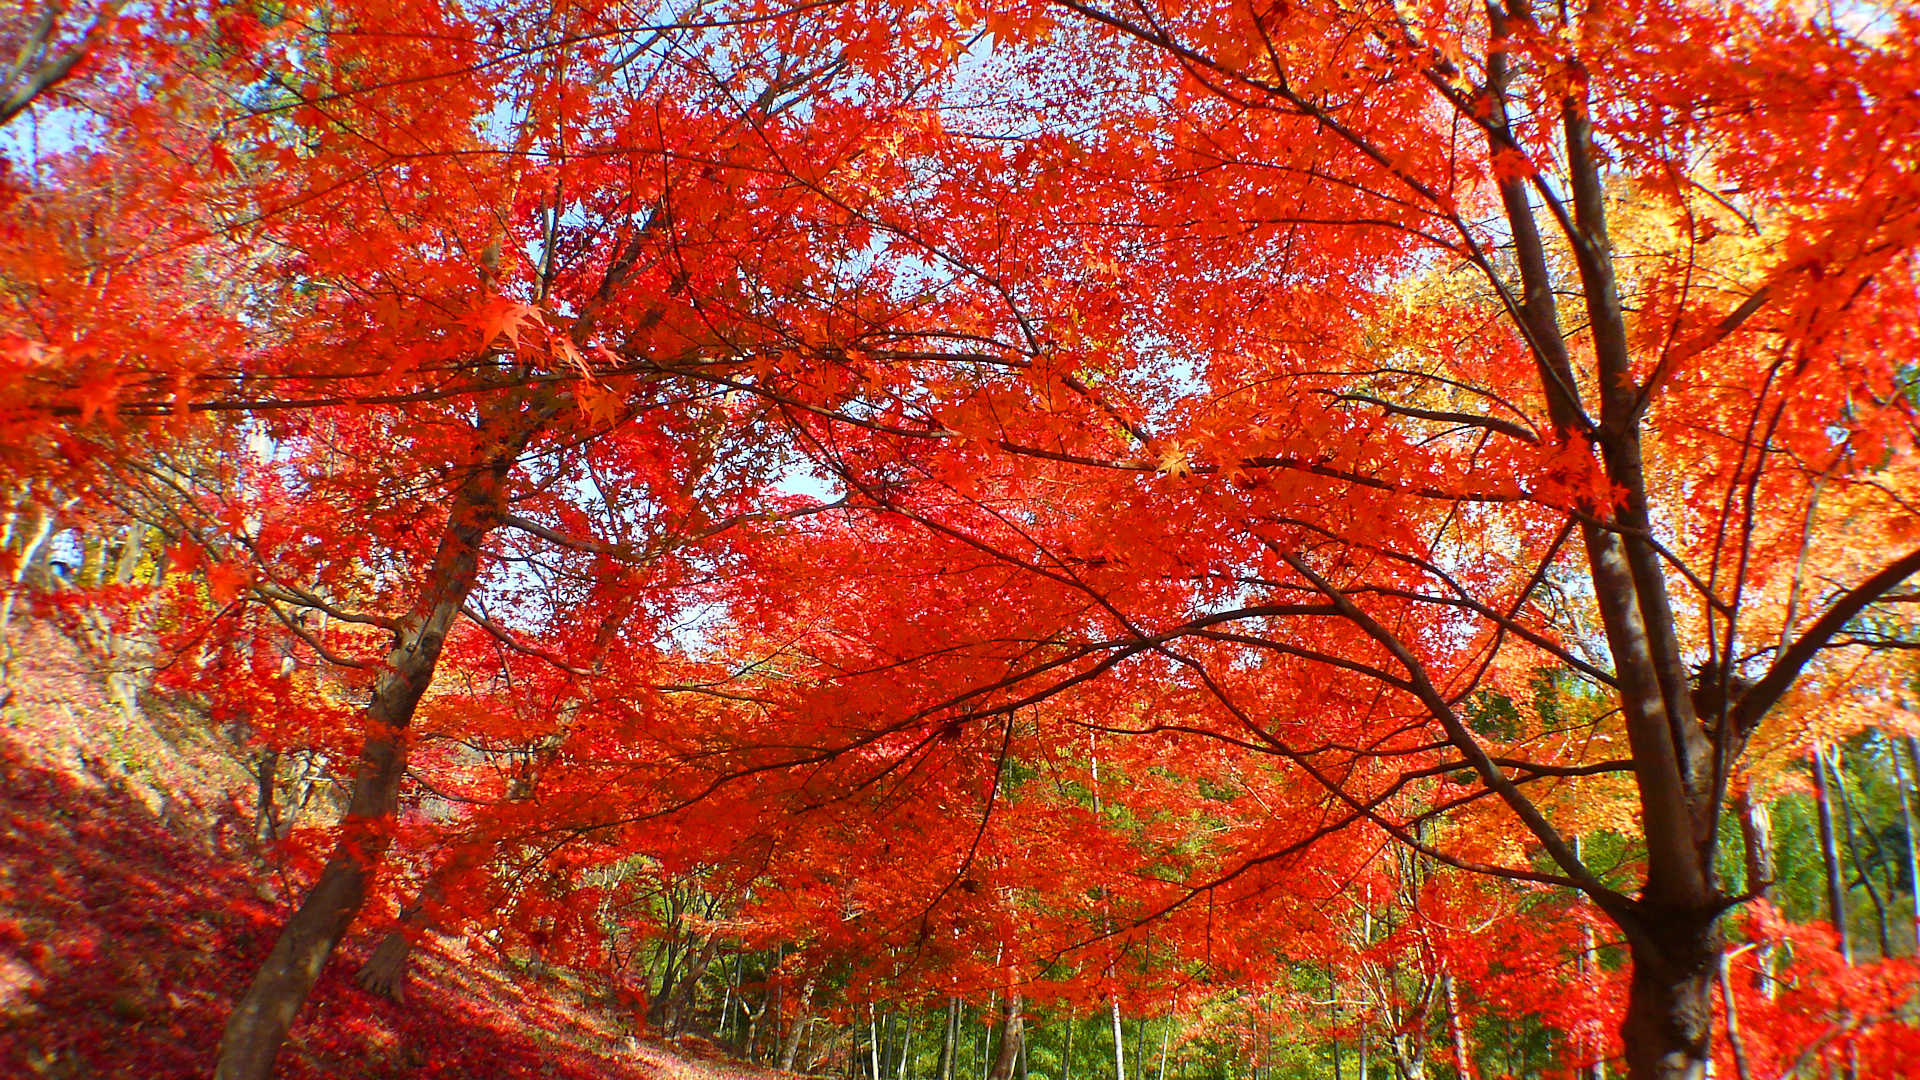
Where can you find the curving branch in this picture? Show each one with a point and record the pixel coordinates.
(1754, 705)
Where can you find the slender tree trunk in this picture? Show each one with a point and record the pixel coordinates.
(906, 1047)
(31, 554)
(1732, 1010)
(1462, 1061)
(301, 794)
(131, 552)
(1756, 833)
(1410, 1053)
(1119, 1043)
(777, 1014)
(1066, 1055)
(1830, 855)
(1851, 823)
(265, 1012)
(986, 1040)
(1913, 842)
(266, 818)
(949, 1041)
(750, 1039)
(1363, 1051)
(678, 1003)
(1333, 1000)
(729, 998)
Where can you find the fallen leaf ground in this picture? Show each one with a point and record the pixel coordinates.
(132, 911)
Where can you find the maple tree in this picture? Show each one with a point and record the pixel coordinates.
(1269, 380)
(1254, 436)
(448, 336)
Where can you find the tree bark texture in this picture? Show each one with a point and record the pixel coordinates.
(1012, 1032)
(261, 1019)
(1756, 834)
(1668, 1029)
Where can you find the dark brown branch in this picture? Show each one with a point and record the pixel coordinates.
(1755, 703)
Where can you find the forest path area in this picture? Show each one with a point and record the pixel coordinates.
(133, 907)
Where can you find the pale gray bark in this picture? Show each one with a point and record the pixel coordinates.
(1830, 855)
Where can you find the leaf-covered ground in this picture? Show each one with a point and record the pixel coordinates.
(132, 911)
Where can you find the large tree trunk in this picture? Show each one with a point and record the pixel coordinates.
(1012, 1031)
(265, 1012)
(1669, 1019)
(1668, 1029)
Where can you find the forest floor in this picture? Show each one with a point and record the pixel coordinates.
(134, 906)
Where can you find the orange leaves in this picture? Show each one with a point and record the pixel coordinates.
(498, 317)
(225, 581)
(599, 406)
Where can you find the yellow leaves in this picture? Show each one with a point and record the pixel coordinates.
(1174, 461)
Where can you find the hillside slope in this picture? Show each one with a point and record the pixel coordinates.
(132, 912)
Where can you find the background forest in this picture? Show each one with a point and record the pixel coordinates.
(928, 540)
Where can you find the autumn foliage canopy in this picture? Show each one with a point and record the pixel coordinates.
(1111, 505)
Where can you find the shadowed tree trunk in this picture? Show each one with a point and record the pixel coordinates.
(265, 1012)
(676, 1000)
(385, 971)
(266, 817)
